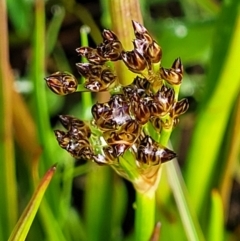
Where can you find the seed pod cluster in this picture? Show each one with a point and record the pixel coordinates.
(76, 139)
(124, 120)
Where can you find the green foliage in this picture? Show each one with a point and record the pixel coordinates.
(205, 34)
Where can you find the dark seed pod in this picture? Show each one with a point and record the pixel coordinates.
(109, 156)
(141, 32)
(94, 85)
(76, 128)
(134, 61)
(110, 51)
(112, 114)
(126, 135)
(152, 153)
(162, 102)
(180, 108)
(109, 36)
(141, 46)
(91, 54)
(107, 77)
(75, 147)
(157, 123)
(98, 77)
(62, 138)
(79, 149)
(173, 75)
(141, 83)
(177, 66)
(154, 53)
(62, 83)
(100, 109)
(140, 108)
(87, 69)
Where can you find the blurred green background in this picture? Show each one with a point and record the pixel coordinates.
(87, 202)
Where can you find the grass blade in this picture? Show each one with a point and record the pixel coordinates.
(21, 229)
(8, 193)
(216, 223)
(212, 121)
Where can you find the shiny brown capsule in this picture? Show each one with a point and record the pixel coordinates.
(179, 108)
(141, 32)
(140, 107)
(76, 127)
(91, 54)
(134, 61)
(162, 102)
(62, 138)
(109, 36)
(152, 153)
(157, 123)
(87, 69)
(62, 83)
(173, 75)
(108, 157)
(154, 52)
(101, 83)
(110, 50)
(98, 77)
(126, 135)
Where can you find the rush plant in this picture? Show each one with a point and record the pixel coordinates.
(129, 132)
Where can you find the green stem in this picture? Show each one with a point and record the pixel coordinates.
(145, 216)
(122, 13)
(86, 97)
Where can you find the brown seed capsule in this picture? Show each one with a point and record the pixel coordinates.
(87, 69)
(141, 32)
(91, 54)
(62, 83)
(179, 108)
(141, 46)
(152, 153)
(78, 148)
(140, 107)
(177, 66)
(162, 102)
(109, 156)
(154, 52)
(98, 77)
(126, 135)
(173, 75)
(157, 123)
(141, 83)
(62, 138)
(76, 128)
(109, 35)
(110, 51)
(134, 61)
(112, 114)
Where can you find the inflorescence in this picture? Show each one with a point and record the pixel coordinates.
(125, 123)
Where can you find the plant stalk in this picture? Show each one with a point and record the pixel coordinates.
(144, 215)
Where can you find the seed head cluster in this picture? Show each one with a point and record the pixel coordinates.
(124, 123)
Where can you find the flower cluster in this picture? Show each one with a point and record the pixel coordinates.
(125, 123)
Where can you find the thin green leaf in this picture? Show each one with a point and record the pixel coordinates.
(216, 222)
(22, 227)
(188, 216)
(213, 119)
(8, 186)
(54, 27)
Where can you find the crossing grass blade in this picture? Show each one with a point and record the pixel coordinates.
(22, 227)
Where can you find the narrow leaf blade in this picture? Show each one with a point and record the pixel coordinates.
(24, 223)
